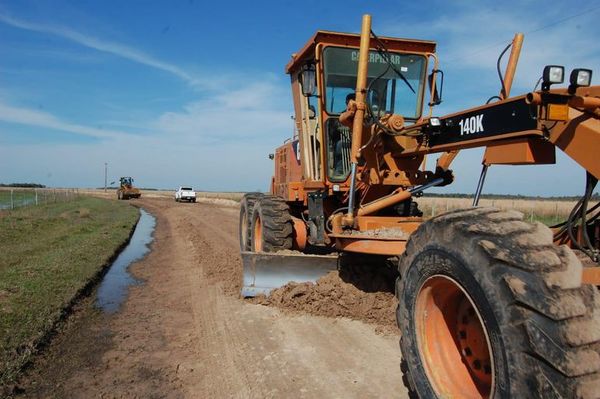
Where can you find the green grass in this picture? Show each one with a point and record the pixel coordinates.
(48, 253)
(547, 220)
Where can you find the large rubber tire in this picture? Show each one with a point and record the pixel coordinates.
(245, 224)
(542, 326)
(272, 225)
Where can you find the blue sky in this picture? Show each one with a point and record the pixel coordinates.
(193, 92)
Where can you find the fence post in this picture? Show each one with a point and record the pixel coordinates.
(532, 208)
(36, 199)
(12, 203)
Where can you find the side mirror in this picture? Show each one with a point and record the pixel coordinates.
(437, 95)
(308, 80)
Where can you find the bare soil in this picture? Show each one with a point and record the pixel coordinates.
(185, 332)
(362, 289)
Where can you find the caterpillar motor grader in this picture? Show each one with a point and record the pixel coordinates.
(127, 190)
(489, 305)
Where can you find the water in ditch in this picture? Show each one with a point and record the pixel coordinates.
(115, 284)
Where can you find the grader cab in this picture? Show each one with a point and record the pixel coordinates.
(489, 305)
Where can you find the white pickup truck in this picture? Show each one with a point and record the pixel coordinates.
(185, 194)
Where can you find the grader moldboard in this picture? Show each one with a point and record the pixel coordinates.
(489, 305)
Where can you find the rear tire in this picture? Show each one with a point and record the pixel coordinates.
(483, 281)
(245, 225)
(272, 226)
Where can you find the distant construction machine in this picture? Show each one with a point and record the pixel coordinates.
(126, 189)
(489, 305)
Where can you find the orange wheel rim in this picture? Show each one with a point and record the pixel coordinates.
(453, 344)
(258, 235)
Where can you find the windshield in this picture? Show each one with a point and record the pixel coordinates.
(388, 94)
(186, 189)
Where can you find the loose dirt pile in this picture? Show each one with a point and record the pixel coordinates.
(363, 289)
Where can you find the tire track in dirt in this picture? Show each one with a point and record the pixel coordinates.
(294, 334)
(235, 352)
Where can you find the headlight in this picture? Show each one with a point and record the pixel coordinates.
(552, 74)
(581, 77)
(434, 122)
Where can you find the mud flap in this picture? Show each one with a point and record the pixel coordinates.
(264, 272)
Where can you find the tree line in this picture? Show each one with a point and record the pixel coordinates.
(23, 185)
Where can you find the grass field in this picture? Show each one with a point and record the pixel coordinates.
(549, 212)
(48, 254)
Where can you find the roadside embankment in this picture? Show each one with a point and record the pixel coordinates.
(50, 255)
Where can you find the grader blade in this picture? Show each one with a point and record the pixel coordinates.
(264, 272)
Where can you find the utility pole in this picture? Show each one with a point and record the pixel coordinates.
(105, 174)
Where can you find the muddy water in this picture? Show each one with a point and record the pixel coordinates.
(113, 288)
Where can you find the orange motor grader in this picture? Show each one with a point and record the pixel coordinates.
(127, 190)
(489, 305)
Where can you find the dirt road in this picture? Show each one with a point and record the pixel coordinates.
(184, 332)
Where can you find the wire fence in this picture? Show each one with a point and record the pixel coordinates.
(11, 198)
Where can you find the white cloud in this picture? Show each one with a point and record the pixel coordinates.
(217, 143)
(32, 117)
(470, 37)
(254, 110)
(114, 48)
(161, 162)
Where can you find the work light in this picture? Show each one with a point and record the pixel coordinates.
(552, 74)
(581, 77)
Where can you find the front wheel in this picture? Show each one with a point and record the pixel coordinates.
(490, 307)
(272, 226)
(245, 225)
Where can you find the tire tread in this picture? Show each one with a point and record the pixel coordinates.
(557, 319)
